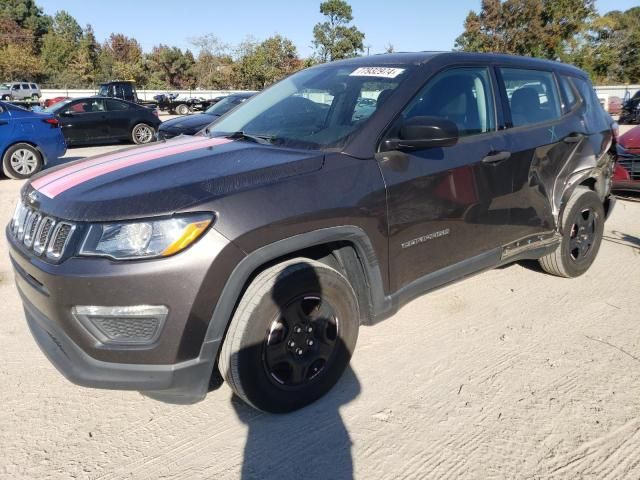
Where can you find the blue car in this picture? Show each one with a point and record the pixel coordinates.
(29, 141)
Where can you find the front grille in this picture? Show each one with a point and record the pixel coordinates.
(128, 330)
(45, 236)
(631, 164)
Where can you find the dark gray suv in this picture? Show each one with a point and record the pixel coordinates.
(323, 203)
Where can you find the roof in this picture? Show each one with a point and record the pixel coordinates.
(421, 58)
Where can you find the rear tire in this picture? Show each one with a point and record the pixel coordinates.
(142, 133)
(183, 110)
(21, 161)
(582, 229)
(291, 337)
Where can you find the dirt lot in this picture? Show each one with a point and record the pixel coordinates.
(510, 374)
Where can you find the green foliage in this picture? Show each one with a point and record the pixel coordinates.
(538, 28)
(261, 64)
(171, 67)
(334, 39)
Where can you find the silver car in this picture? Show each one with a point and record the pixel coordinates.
(20, 91)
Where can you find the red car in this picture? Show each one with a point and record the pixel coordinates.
(52, 101)
(627, 172)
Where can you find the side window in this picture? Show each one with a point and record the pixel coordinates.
(87, 106)
(570, 99)
(34, 86)
(462, 95)
(25, 86)
(596, 119)
(114, 106)
(533, 97)
(15, 86)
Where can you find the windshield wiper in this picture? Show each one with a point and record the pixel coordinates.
(261, 139)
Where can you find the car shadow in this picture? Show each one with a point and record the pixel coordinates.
(623, 239)
(304, 342)
(311, 443)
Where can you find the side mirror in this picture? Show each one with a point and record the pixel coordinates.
(419, 133)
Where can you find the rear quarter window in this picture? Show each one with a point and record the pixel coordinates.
(595, 118)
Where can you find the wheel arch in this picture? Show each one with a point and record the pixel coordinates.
(591, 179)
(347, 248)
(28, 142)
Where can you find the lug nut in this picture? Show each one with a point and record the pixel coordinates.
(309, 342)
(309, 329)
(297, 329)
(292, 343)
(299, 351)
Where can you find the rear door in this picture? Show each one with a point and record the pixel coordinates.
(541, 138)
(449, 205)
(119, 117)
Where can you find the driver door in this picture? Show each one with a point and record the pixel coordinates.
(449, 206)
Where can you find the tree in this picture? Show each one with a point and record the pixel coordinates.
(85, 64)
(121, 57)
(27, 15)
(335, 39)
(540, 28)
(261, 64)
(213, 68)
(60, 47)
(170, 67)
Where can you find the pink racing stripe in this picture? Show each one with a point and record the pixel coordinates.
(46, 179)
(63, 184)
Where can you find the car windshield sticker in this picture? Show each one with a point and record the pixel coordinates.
(384, 72)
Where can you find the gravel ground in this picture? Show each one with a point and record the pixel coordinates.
(509, 374)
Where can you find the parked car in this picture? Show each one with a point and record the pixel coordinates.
(49, 102)
(96, 120)
(611, 103)
(191, 124)
(28, 141)
(630, 112)
(20, 91)
(627, 173)
(261, 248)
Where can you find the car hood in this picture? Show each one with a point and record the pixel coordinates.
(162, 178)
(631, 139)
(188, 122)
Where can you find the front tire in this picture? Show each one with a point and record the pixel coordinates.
(142, 133)
(582, 230)
(291, 337)
(21, 161)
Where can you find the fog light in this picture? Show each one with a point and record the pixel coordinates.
(132, 325)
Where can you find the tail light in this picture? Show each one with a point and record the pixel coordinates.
(52, 121)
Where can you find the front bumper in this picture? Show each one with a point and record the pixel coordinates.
(184, 382)
(177, 366)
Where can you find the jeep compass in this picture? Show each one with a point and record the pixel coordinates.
(323, 203)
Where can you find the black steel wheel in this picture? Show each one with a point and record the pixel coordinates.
(291, 337)
(582, 230)
(301, 341)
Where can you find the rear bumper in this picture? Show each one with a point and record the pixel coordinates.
(185, 382)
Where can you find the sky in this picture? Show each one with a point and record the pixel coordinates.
(409, 25)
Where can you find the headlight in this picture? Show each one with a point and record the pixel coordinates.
(144, 239)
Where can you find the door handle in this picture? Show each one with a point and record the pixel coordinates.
(573, 138)
(496, 157)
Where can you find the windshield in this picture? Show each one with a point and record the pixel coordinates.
(56, 106)
(317, 108)
(224, 105)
